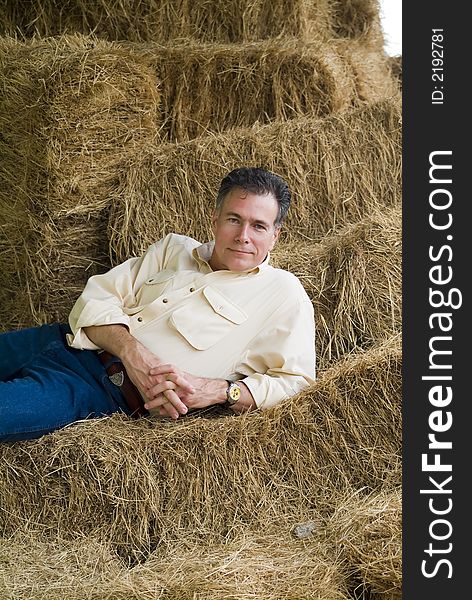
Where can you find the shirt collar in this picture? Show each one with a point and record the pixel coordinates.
(202, 254)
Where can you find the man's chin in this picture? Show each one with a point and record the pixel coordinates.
(241, 264)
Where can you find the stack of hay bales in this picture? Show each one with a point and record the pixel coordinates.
(221, 86)
(76, 109)
(215, 21)
(108, 142)
(66, 111)
(143, 489)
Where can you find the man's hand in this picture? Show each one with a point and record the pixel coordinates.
(193, 391)
(138, 362)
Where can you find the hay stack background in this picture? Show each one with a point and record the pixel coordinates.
(75, 109)
(259, 567)
(215, 87)
(354, 279)
(369, 531)
(68, 105)
(214, 21)
(65, 112)
(141, 485)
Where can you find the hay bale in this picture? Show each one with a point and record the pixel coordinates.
(339, 168)
(69, 108)
(261, 567)
(354, 279)
(212, 21)
(150, 483)
(214, 87)
(33, 568)
(356, 408)
(46, 263)
(368, 529)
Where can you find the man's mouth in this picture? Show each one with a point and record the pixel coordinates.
(240, 251)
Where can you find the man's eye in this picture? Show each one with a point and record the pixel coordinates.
(259, 227)
(232, 220)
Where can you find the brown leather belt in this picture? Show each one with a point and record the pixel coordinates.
(118, 375)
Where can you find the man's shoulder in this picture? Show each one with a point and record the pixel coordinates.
(283, 275)
(174, 242)
(174, 251)
(286, 280)
(177, 239)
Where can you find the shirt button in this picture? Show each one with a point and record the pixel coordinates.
(192, 289)
(165, 300)
(140, 319)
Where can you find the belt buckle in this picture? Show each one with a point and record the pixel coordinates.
(117, 378)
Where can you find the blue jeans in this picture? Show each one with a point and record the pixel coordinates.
(45, 384)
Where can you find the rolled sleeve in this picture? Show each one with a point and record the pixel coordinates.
(287, 349)
(105, 296)
(92, 312)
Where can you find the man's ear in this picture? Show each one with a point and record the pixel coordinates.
(214, 219)
(275, 236)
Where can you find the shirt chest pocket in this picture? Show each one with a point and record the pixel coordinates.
(208, 319)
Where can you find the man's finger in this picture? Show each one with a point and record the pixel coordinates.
(158, 389)
(176, 406)
(167, 410)
(177, 378)
(158, 401)
(162, 369)
(170, 406)
(179, 381)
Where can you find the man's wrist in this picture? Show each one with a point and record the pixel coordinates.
(219, 390)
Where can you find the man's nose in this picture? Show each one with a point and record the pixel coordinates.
(243, 234)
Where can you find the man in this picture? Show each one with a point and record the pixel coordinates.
(185, 326)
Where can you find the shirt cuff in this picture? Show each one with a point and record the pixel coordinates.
(268, 390)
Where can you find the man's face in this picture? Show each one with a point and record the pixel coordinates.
(244, 230)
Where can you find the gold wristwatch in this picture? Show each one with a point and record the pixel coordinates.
(233, 392)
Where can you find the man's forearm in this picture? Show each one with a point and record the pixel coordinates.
(205, 391)
(115, 339)
(213, 391)
(141, 364)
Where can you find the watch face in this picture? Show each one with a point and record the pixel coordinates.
(234, 392)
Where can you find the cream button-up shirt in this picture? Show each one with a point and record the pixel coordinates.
(257, 325)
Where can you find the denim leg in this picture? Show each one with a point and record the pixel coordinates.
(19, 348)
(54, 386)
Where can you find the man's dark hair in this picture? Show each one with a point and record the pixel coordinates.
(258, 181)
